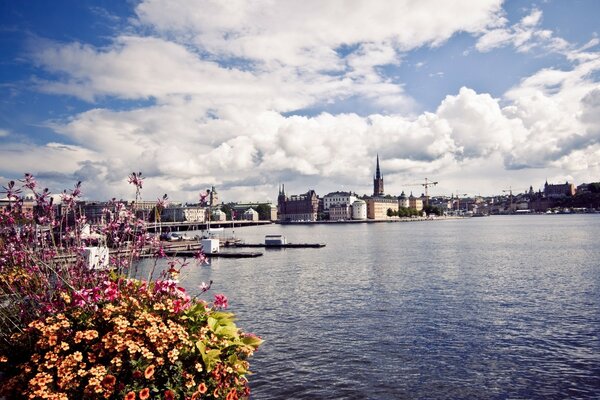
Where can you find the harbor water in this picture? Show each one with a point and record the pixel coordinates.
(503, 307)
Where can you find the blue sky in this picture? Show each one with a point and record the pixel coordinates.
(479, 96)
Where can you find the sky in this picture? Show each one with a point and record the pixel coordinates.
(479, 96)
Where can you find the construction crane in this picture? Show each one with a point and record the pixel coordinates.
(509, 190)
(426, 186)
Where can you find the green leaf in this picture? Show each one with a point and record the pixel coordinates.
(253, 341)
(212, 323)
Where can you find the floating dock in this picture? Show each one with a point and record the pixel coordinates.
(190, 253)
(280, 245)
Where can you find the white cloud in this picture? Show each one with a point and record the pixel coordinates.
(284, 31)
(223, 77)
(282, 56)
(524, 36)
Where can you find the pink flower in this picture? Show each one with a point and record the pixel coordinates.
(111, 292)
(29, 181)
(220, 301)
(136, 179)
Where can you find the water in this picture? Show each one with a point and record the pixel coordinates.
(492, 308)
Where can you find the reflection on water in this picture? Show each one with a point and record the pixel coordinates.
(499, 307)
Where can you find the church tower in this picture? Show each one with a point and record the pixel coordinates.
(378, 181)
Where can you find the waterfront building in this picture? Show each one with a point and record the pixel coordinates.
(179, 213)
(218, 215)
(377, 207)
(336, 198)
(415, 202)
(266, 211)
(557, 191)
(377, 181)
(359, 210)
(403, 201)
(303, 207)
(340, 212)
(250, 215)
(194, 214)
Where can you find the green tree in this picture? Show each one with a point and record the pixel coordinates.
(264, 212)
(432, 210)
(227, 208)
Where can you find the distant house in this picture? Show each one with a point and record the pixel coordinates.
(250, 215)
(266, 210)
(218, 215)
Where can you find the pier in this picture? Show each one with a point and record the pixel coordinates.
(279, 246)
(200, 226)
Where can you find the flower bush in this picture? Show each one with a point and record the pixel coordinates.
(69, 332)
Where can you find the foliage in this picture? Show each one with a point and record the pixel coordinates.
(71, 332)
(432, 210)
(264, 212)
(227, 208)
(139, 337)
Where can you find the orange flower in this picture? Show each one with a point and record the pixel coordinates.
(202, 388)
(149, 372)
(130, 396)
(144, 393)
(109, 380)
(169, 395)
(232, 395)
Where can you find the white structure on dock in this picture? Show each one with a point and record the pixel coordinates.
(210, 246)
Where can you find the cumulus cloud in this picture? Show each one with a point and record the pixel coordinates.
(223, 83)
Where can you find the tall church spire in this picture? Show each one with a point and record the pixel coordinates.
(378, 180)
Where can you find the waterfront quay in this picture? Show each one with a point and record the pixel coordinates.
(200, 226)
(196, 226)
(373, 221)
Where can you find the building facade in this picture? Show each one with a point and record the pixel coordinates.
(335, 198)
(557, 191)
(415, 202)
(340, 212)
(403, 201)
(303, 207)
(250, 215)
(377, 207)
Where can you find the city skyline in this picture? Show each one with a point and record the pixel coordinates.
(477, 96)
